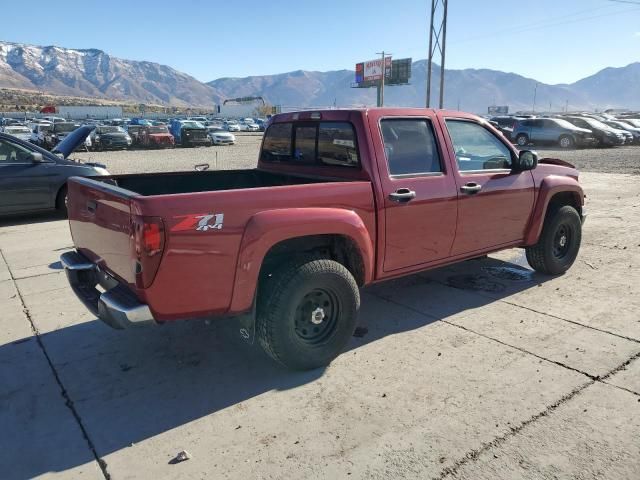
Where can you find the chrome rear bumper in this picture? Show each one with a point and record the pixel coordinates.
(117, 306)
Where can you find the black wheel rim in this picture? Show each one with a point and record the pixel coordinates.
(562, 241)
(317, 316)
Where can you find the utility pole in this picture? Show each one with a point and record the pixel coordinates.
(384, 56)
(566, 106)
(535, 92)
(437, 41)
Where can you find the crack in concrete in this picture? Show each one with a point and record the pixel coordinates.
(474, 454)
(65, 395)
(483, 295)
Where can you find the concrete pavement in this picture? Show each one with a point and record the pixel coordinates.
(480, 370)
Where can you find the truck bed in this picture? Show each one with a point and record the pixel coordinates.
(202, 218)
(208, 181)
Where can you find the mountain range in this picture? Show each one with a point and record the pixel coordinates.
(94, 73)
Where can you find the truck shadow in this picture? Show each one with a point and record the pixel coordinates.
(129, 386)
(29, 219)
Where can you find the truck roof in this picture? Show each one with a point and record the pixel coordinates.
(391, 111)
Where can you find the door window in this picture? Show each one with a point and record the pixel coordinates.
(410, 146)
(13, 153)
(476, 148)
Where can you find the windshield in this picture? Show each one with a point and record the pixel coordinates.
(565, 124)
(597, 123)
(64, 127)
(192, 124)
(17, 130)
(158, 129)
(109, 129)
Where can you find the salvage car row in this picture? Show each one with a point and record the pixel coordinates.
(571, 130)
(135, 133)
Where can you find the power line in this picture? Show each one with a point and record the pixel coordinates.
(555, 22)
(630, 2)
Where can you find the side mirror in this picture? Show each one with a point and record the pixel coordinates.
(37, 157)
(527, 160)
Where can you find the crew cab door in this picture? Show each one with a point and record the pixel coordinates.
(494, 203)
(24, 185)
(419, 190)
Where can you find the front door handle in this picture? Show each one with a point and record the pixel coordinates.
(91, 206)
(402, 195)
(471, 188)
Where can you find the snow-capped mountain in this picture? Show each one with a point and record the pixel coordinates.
(94, 73)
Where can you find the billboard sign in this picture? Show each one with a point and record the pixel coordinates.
(373, 69)
(398, 72)
(498, 110)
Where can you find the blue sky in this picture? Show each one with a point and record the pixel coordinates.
(554, 41)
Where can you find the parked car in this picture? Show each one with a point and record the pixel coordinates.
(189, 133)
(156, 137)
(55, 134)
(232, 126)
(110, 137)
(18, 131)
(551, 131)
(33, 179)
(219, 136)
(249, 127)
(53, 119)
(633, 121)
(38, 132)
(340, 199)
(604, 134)
(141, 121)
(262, 124)
(627, 127)
(134, 133)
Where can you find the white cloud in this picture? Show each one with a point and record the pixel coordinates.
(637, 34)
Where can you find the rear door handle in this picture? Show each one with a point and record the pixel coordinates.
(471, 188)
(402, 195)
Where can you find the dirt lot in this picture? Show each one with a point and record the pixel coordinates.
(483, 370)
(245, 155)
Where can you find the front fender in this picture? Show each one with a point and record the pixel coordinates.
(268, 228)
(550, 186)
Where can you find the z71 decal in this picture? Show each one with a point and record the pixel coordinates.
(200, 222)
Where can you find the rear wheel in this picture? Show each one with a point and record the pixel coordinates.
(522, 140)
(307, 313)
(559, 242)
(566, 141)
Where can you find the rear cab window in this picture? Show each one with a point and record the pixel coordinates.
(311, 143)
(410, 147)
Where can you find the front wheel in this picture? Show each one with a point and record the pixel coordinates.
(307, 313)
(559, 242)
(522, 140)
(62, 201)
(566, 141)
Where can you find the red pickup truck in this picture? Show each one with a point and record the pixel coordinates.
(340, 199)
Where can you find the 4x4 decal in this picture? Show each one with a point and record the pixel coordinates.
(200, 222)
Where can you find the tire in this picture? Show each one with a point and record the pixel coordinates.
(559, 242)
(307, 313)
(522, 140)
(566, 141)
(61, 201)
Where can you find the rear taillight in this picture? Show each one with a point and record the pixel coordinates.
(148, 243)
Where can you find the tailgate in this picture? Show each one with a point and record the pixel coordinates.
(100, 222)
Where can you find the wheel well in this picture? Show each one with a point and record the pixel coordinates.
(564, 198)
(340, 248)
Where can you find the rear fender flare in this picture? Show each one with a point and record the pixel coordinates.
(268, 228)
(549, 187)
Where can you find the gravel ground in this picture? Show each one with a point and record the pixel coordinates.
(603, 160)
(245, 155)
